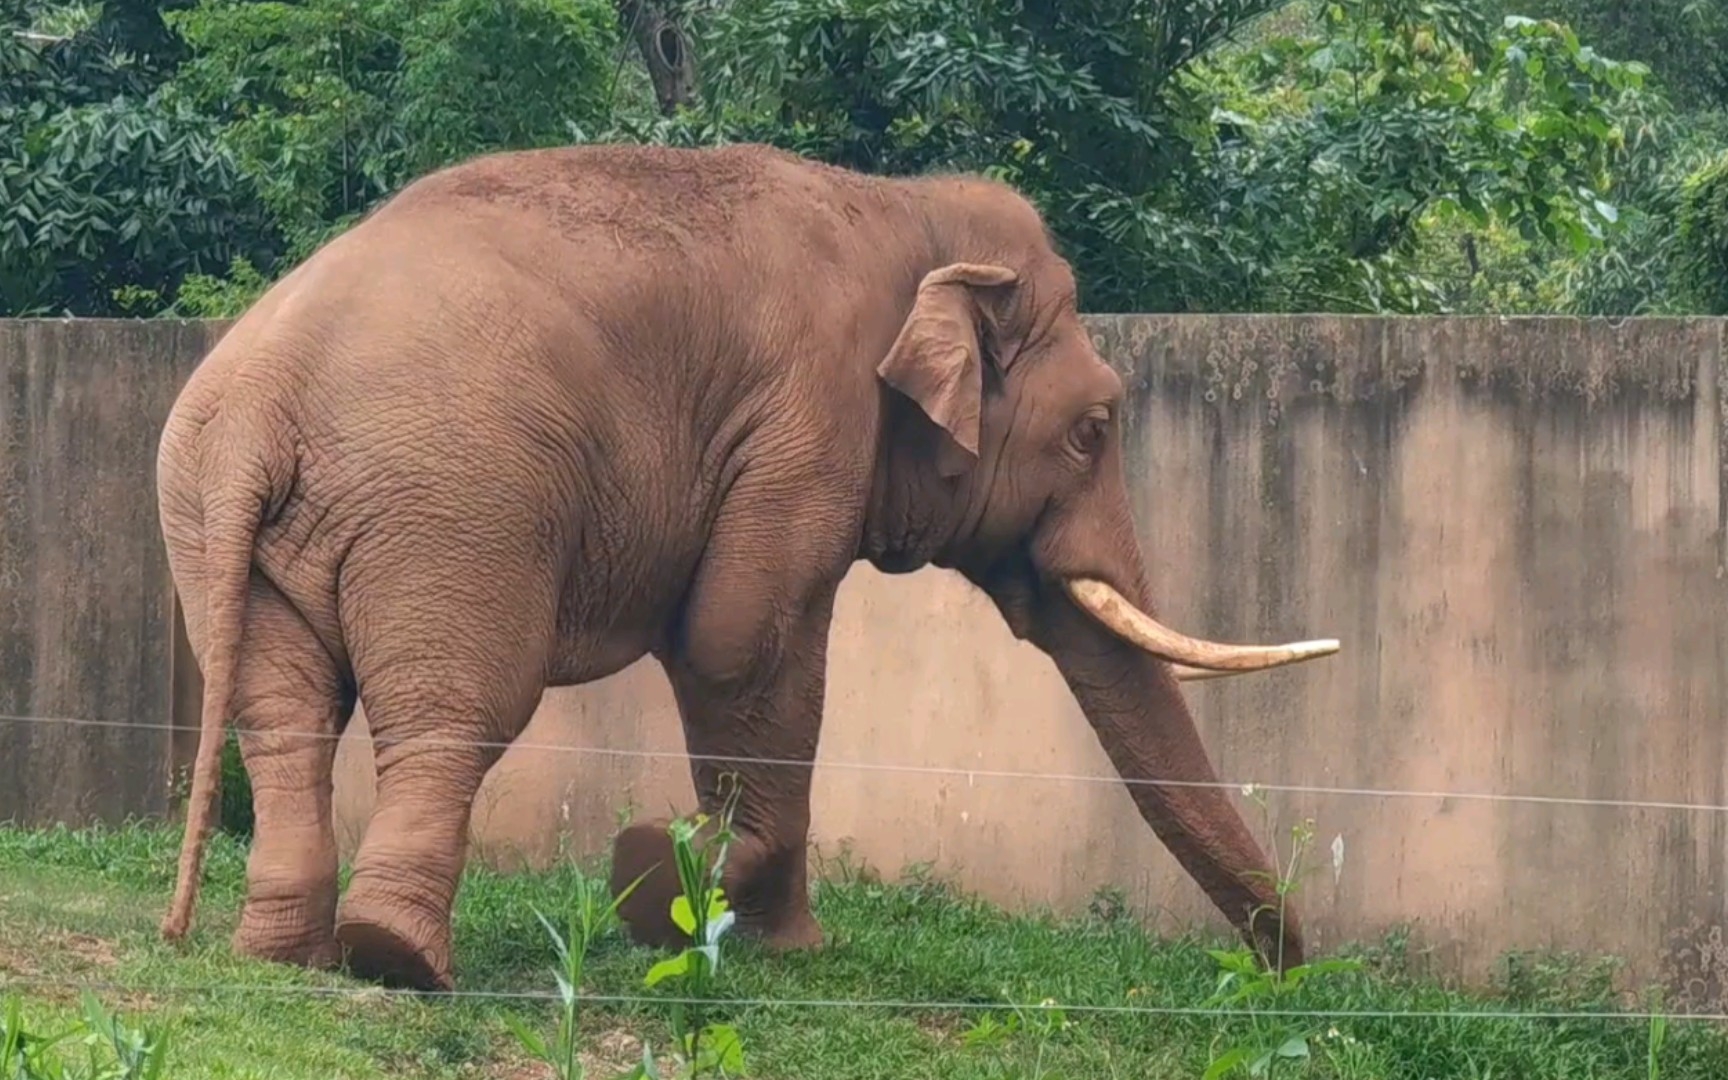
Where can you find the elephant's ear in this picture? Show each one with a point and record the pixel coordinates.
(937, 360)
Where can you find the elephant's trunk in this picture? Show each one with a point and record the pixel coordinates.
(1134, 704)
(1086, 603)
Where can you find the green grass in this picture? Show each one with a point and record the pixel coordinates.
(81, 907)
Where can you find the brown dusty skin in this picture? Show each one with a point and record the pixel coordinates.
(546, 413)
(229, 524)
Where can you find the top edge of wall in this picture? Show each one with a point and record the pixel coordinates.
(1349, 358)
(1278, 357)
(77, 339)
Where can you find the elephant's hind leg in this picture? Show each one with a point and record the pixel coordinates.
(292, 703)
(458, 677)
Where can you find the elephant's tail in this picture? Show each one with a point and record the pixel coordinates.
(236, 477)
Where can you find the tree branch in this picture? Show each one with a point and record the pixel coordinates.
(665, 48)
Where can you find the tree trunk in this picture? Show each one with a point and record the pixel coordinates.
(665, 48)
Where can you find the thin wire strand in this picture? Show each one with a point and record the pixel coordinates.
(894, 1004)
(939, 770)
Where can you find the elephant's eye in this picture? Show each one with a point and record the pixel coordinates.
(1088, 435)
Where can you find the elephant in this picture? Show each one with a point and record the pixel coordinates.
(543, 413)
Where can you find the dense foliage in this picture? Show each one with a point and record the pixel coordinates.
(1703, 237)
(1354, 155)
(105, 189)
(1182, 172)
(330, 105)
(1685, 42)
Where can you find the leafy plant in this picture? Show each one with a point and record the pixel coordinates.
(1685, 42)
(1653, 1049)
(1077, 104)
(112, 1050)
(138, 1054)
(701, 1047)
(1217, 155)
(206, 296)
(1337, 147)
(1247, 977)
(1356, 155)
(589, 917)
(1043, 1021)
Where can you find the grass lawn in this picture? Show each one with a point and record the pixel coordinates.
(80, 907)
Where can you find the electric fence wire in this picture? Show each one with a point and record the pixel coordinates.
(968, 772)
(887, 1004)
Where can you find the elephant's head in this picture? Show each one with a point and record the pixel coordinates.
(1003, 459)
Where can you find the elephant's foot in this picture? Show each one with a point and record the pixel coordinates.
(388, 956)
(394, 942)
(287, 931)
(793, 929)
(767, 892)
(645, 851)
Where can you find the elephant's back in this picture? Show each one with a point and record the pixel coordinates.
(636, 198)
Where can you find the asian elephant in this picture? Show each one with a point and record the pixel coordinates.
(543, 413)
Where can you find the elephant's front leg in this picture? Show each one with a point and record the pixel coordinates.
(748, 670)
(755, 741)
(752, 738)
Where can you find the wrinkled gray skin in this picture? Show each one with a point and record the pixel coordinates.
(544, 413)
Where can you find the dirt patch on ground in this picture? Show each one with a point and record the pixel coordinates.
(614, 1051)
(56, 952)
(16, 962)
(89, 951)
(57, 965)
(604, 1053)
(942, 1029)
(518, 1069)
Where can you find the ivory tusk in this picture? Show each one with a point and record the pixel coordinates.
(1184, 673)
(1195, 658)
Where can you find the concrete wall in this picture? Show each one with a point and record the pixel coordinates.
(1515, 527)
(86, 604)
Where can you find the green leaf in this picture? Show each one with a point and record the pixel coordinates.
(985, 1031)
(1260, 1065)
(683, 915)
(1332, 966)
(723, 1049)
(156, 1067)
(1294, 1047)
(672, 967)
(1235, 960)
(1222, 1064)
(531, 1041)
